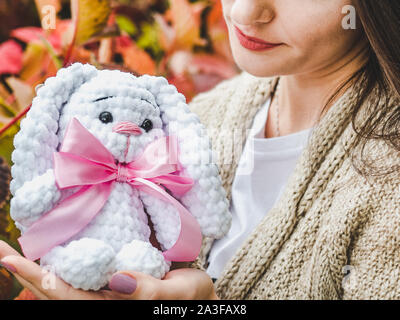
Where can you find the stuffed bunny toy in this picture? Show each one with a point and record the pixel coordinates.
(125, 113)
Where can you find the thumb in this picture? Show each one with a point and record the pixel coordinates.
(136, 286)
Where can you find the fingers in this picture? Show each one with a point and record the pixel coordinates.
(28, 273)
(190, 284)
(15, 267)
(136, 286)
(7, 250)
(31, 288)
(182, 284)
(42, 283)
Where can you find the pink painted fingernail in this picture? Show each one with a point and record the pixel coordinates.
(122, 283)
(8, 266)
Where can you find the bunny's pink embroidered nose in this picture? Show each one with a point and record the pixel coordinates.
(127, 127)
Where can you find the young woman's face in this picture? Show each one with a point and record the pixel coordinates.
(308, 33)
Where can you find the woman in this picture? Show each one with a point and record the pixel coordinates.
(332, 230)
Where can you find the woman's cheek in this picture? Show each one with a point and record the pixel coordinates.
(315, 42)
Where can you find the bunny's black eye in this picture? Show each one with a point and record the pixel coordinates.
(147, 125)
(105, 117)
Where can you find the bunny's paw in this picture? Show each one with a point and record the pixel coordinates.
(142, 257)
(85, 263)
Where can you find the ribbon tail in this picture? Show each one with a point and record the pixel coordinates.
(64, 221)
(187, 246)
(178, 185)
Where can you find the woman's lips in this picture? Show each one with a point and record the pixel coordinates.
(252, 43)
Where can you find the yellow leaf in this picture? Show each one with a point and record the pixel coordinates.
(22, 92)
(90, 17)
(165, 33)
(186, 20)
(6, 109)
(218, 31)
(34, 56)
(12, 230)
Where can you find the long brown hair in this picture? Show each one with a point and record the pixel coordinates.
(380, 21)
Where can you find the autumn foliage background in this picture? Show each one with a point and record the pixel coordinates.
(185, 41)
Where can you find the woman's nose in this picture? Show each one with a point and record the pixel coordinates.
(127, 128)
(248, 13)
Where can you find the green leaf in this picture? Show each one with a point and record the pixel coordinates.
(126, 24)
(149, 38)
(57, 62)
(6, 143)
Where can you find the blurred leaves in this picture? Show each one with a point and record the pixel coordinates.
(10, 57)
(35, 34)
(6, 284)
(23, 92)
(180, 25)
(8, 232)
(6, 143)
(149, 39)
(5, 177)
(14, 14)
(134, 57)
(26, 294)
(126, 25)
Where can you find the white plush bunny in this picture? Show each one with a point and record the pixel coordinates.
(118, 237)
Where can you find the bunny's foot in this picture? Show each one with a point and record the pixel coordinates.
(85, 263)
(142, 257)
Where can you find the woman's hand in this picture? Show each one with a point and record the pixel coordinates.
(179, 284)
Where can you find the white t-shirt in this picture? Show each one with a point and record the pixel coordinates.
(263, 170)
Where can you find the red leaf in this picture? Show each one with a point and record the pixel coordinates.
(123, 42)
(135, 58)
(183, 84)
(31, 34)
(10, 57)
(27, 34)
(26, 294)
(213, 64)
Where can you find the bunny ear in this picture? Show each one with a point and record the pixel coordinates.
(206, 200)
(37, 139)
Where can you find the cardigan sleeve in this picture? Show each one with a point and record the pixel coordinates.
(374, 257)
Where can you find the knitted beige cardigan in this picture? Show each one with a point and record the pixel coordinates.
(333, 234)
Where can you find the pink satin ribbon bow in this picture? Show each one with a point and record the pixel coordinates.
(84, 161)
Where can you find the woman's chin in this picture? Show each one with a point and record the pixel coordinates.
(248, 63)
(257, 72)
